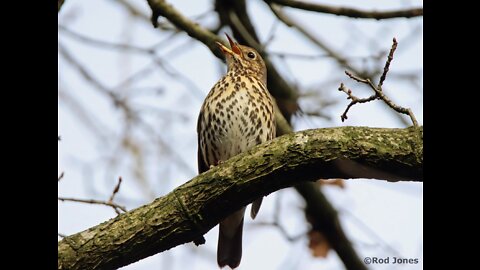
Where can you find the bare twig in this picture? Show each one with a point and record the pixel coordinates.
(297, 55)
(113, 205)
(290, 22)
(271, 34)
(310, 57)
(387, 64)
(377, 89)
(61, 176)
(118, 102)
(121, 101)
(276, 223)
(171, 151)
(317, 113)
(354, 99)
(350, 12)
(364, 227)
(116, 99)
(102, 44)
(115, 190)
(282, 230)
(92, 123)
(60, 4)
(341, 60)
(249, 37)
(164, 26)
(149, 51)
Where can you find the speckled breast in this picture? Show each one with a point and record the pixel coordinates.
(237, 115)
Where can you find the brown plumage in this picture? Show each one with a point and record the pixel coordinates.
(236, 115)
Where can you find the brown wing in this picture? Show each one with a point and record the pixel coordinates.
(258, 202)
(202, 166)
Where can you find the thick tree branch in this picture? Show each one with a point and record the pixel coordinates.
(350, 12)
(195, 207)
(162, 8)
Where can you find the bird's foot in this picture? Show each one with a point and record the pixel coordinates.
(218, 163)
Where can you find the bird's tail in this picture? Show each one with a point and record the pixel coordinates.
(229, 248)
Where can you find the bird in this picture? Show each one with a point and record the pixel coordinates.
(237, 114)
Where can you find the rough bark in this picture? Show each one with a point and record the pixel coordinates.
(195, 207)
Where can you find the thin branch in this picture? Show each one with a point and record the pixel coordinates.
(164, 26)
(290, 22)
(387, 64)
(118, 102)
(306, 57)
(61, 176)
(113, 205)
(341, 60)
(170, 150)
(103, 44)
(271, 34)
(318, 113)
(162, 8)
(350, 12)
(107, 203)
(282, 230)
(137, 75)
(150, 52)
(93, 124)
(379, 94)
(115, 191)
(276, 222)
(310, 57)
(361, 225)
(354, 99)
(249, 38)
(60, 4)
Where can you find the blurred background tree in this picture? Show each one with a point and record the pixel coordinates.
(130, 93)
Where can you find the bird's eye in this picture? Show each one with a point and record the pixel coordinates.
(251, 55)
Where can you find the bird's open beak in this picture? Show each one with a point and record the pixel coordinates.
(235, 48)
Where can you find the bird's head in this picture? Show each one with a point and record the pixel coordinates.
(244, 59)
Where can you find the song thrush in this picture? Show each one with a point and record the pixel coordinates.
(236, 115)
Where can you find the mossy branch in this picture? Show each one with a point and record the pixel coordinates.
(192, 209)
